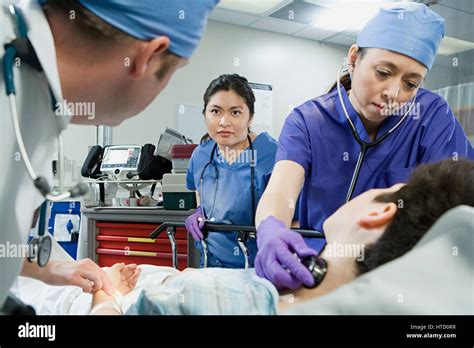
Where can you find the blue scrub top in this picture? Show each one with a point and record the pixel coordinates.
(317, 136)
(233, 203)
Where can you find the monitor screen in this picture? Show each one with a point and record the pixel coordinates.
(121, 157)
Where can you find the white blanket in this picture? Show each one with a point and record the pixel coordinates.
(62, 300)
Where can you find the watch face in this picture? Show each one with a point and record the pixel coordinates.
(44, 251)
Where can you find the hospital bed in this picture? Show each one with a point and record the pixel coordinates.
(434, 278)
(244, 233)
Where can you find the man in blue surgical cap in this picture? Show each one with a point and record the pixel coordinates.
(114, 55)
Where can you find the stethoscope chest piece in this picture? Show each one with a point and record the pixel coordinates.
(317, 267)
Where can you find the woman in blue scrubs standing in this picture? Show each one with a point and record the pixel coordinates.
(370, 131)
(221, 170)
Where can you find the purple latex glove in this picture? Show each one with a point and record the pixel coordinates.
(194, 224)
(275, 258)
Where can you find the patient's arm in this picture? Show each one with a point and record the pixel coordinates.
(123, 278)
(103, 304)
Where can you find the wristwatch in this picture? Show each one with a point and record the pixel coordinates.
(318, 268)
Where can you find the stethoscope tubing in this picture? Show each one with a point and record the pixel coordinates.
(364, 146)
(211, 162)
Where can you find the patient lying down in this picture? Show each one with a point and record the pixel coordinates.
(382, 224)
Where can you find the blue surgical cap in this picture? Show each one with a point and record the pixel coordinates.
(182, 21)
(409, 28)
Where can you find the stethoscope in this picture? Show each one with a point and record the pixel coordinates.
(241, 239)
(209, 217)
(364, 146)
(21, 48)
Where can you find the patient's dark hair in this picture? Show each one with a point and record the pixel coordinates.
(432, 190)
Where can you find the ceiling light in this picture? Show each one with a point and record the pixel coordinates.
(450, 45)
(347, 16)
(250, 6)
(335, 3)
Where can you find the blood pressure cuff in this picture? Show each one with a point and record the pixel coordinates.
(152, 166)
(91, 166)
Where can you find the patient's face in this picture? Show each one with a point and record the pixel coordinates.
(344, 225)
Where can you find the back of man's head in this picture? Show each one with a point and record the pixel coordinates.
(182, 21)
(118, 55)
(102, 25)
(431, 191)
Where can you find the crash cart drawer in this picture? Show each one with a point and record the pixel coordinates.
(130, 243)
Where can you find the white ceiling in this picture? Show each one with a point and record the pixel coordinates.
(459, 16)
(267, 23)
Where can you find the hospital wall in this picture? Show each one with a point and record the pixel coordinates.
(297, 68)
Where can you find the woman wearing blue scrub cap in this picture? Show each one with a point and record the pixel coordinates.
(370, 131)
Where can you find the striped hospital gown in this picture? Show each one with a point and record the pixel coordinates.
(208, 291)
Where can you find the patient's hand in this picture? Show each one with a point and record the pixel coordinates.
(124, 277)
